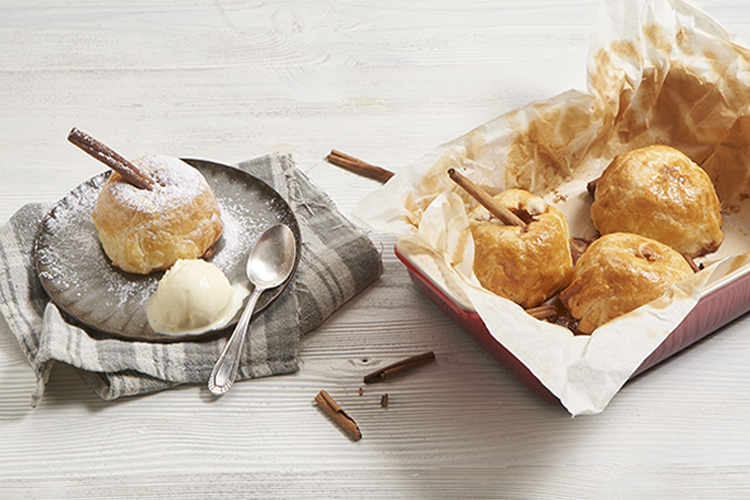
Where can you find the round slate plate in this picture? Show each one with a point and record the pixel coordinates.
(82, 282)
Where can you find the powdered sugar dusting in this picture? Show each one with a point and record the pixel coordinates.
(232, 243)
(177, 184)
(75, 269)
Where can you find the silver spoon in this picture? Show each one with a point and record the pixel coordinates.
(269, 265)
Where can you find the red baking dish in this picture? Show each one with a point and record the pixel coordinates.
(722, 301)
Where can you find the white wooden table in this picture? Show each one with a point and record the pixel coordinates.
(385, 81)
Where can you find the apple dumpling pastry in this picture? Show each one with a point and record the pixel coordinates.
(527, 265)
(618, 273)
(658, 192)
(144, 230)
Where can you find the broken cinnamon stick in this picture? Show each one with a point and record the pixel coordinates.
(101, 152)
(331, 407)
(487, 201)
(399, 367)
(358, 166)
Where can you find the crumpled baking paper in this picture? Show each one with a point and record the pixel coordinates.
(659, 72)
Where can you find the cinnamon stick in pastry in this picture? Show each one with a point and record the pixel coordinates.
(484, 198)
(101, 152)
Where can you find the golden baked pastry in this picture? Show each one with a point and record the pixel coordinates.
(145, 230)
(618, 273)
(529, 265)
(658, 192)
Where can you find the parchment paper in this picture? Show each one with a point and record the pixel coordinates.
(659, 72)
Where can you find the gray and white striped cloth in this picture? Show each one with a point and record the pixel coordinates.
(338, 261)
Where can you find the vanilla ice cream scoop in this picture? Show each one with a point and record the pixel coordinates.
(193, 297)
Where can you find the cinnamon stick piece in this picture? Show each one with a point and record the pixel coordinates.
(358, 166)
(331, 407)
(399, 367)
(101, 152)
(487, 201)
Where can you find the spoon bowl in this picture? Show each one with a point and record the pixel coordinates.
(270, 263)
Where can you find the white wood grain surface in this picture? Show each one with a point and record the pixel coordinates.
(386, 81)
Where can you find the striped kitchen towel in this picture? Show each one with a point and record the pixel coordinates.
(337, 261)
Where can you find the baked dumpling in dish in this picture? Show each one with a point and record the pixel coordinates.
(526, 265)
(145, 230)
(618, 273)
(658, 192)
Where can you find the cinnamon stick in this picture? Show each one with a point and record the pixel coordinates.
(101, 152)
(332, 408)
(399, 367)
(358, 166)
(487, 201)
(695, 267)
(542, 312)
(591, 186)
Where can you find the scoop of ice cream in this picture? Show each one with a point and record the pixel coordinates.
(194, 296)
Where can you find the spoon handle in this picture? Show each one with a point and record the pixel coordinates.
(225, 370)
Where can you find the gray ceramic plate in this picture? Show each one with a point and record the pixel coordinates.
(80, 279)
